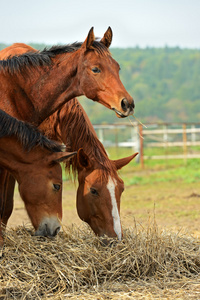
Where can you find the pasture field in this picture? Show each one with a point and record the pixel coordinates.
(160, 214)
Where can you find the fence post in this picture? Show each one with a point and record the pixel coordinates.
(185, 143)
(116, 137)
(165, 140)
(193, 134)
(101, 135)
(141, 146)
(136, 141)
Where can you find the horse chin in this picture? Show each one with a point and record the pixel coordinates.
(120, 115)
(108, 242)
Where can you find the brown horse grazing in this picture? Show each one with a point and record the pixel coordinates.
(100, 187)
(33, 160)
(34, 85)
(105, 194)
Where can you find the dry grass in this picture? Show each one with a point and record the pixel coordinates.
(148, 264)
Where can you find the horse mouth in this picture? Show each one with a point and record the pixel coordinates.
(121, 115)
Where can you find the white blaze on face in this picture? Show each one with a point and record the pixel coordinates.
(115, 214)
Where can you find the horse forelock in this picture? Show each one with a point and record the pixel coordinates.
(27, 134)
(100, 48)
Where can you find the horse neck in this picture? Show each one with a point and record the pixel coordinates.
(59, 86)
(40, 91)
(72, 125)
(16, 160)
(75, 128)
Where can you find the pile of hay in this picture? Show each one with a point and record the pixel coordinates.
(75, 263)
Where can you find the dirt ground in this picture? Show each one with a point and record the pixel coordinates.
(175, 206)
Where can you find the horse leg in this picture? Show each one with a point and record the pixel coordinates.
(9, 196)
(7, 183)
(3, 175)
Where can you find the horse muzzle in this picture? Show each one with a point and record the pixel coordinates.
(49, 227)
(127, 108)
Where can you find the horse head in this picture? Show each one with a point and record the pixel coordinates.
(99, 194)
(41, 192)
(99, 75)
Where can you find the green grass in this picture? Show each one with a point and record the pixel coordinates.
(185, 174)
(189, 173)
(157, 171)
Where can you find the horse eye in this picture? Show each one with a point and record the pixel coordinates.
(56, 187)
(96, 70)
(93, 191)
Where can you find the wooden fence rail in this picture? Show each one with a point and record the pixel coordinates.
(134, 135)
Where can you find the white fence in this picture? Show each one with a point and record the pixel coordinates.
(165, 135)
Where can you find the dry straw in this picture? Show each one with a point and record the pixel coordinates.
(75, 265)
(137, 127)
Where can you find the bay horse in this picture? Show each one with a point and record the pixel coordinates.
(100, 187)
(33, 160)
(104, 192)
(34, 85)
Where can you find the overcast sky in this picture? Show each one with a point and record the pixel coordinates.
(141, 23)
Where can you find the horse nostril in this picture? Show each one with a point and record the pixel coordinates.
(56, 231)
(132, 105)
(46, 230)
(124, 104)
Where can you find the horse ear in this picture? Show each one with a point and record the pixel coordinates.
(90, 39)
(83, 159)
(107, 38)
(62, 156)
(120, 163)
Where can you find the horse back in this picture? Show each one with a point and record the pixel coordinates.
(15, 49)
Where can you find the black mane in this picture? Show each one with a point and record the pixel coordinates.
(44, 58)
(27, 135)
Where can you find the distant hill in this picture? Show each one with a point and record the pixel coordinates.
(165, 83)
